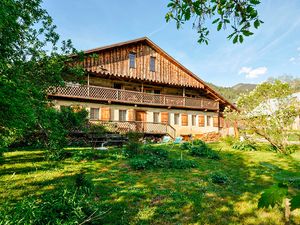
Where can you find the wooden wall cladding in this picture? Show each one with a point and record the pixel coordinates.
(115, 61)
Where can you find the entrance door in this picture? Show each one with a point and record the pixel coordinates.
(140, 118)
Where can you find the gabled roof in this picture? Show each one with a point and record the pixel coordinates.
(161, 51)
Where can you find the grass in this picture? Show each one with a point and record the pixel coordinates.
(159, 196)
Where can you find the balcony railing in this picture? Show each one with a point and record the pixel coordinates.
(137, 126)
(125, 96)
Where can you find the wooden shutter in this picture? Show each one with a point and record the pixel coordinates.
(105, 114)
(201, 120)
(131, 115)
(165, 117)
(216, 121)
(221, 122)
(184, 119)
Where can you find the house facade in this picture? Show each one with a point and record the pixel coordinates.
(137, 86)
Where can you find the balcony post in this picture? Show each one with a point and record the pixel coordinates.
(88, 83)
(183, 95)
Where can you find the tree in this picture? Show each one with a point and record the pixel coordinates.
(268, 111)
(241, 15)
(27, 69)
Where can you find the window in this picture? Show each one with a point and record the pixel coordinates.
(193, 120)
(122, 115)
(156, 117)
(152, 64)
(176, 118)
(208, 121)
(132, 57)
(94, 114)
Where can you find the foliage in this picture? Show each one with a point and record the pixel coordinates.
(295, 202)
(1, 156)
(62, 206)
(92, 154)
(241, 16)
(83, 183)
(229, 140)
(268, 111)
(273, 196)
(132, 149)
(141, 162)
(203, 150)
(183, 164)
(185, 145)
(244, 146)
(147, 157)
(30, 64)
(57, 125)
(219, 178)
(157, 151)
(134, 136)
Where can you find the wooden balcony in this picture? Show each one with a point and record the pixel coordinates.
(134, 97)
(137, 126)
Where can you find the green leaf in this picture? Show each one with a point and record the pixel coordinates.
(256, 24)
(216, 20)
(247, 33)
(273, 196)
(219, 26)
(241, 38)
(255, 2)
(295, 202)
(235, 39)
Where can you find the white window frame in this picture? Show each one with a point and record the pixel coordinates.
(158, 115)
(176, 114)
(94, 116)
(120, 116)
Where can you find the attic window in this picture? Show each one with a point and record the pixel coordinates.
(132, 57)
(152, 64)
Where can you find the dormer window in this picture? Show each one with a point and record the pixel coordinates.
(132, 57)
(152, 64)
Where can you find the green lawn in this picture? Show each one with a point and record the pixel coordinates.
(160, 196)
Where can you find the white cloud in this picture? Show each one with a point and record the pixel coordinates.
(298, 49)
(253, 73)
(292, 59)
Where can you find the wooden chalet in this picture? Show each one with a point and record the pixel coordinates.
(137, 86)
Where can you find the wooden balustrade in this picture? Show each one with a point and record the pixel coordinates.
(137, 126)
(119, 95)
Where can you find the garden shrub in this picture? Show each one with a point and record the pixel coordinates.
(185, 145)
(156, 157)
(219, 178)
(183, 164)
(147, 162)
(244, 146)
(203, 150)
(132, 149)
(156, 151)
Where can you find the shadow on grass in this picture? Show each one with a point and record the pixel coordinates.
(169, 196)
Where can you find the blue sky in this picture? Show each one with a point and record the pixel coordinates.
(273, 50)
